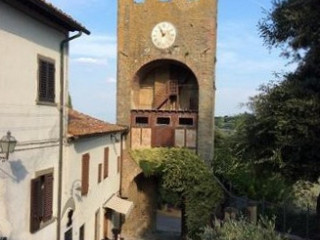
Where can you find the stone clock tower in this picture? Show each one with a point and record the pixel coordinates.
(166, 73)
(165, 90)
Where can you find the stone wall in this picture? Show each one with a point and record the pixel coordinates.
(195, 46)
(142, 192)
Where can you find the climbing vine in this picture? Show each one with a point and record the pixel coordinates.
(183, 172)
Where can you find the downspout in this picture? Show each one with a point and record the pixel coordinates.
(121, 162)
(61, 135)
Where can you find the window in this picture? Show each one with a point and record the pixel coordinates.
(97, 225)
(46, 80)
(163, 121)
(99, 172)
(81, 232)
(142, 120)
(41, 201)
(186, 121)
(85, 174)
(106, 163)
(68, 234)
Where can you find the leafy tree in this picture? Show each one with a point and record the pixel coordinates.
(69, 103)
(288, 112)
(282, 136)
(294, 25)
(236, 163)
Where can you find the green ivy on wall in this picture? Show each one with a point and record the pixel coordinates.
(183, 172)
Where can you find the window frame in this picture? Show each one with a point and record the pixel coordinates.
(136, 123)
(106, 163)
(41, 200)
(99, 173)
(46, 100)
(163, 117)
(180, 119)
(85, 174)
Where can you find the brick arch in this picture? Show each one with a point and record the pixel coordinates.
(165, 78)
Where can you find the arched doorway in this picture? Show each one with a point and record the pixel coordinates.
(164, 110)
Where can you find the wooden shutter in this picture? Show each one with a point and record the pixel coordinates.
(51, 82)
(35, 205)
(118, 164)
(106, 162)
(42, 91)
(99, 172)
(85, 174)
(48, 197)
(46, 91)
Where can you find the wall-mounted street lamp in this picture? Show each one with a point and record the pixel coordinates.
(7, 145)
(114, 138)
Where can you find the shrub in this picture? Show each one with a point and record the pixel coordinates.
(242, 230)
(305, 194)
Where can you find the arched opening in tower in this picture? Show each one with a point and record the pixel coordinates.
(165, 85)
(165, 100)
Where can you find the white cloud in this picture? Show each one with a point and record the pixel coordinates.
(89, 60)
(111, 80)
(94, 50)
(95, 46)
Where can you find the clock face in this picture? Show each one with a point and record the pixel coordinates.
(163, 35)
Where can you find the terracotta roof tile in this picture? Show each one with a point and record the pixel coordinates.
(80, 125)
(52, 13)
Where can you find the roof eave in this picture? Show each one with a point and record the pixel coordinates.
(97, 134)
(49, 12)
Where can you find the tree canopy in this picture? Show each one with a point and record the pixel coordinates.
(284, 131)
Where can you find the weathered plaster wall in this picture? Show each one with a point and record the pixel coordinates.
(86, 206)
(36, 127)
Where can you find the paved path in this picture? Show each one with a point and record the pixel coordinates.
(168, 227)
(167, 222)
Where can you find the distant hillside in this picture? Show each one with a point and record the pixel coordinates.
(226, 122)
(229, 123)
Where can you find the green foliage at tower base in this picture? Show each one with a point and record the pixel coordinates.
(183, 172)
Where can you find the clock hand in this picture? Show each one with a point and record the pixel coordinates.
(162, 32)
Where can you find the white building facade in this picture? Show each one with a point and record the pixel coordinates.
(31, 36)
(92, 207)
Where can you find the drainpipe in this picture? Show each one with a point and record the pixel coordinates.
(61, 135)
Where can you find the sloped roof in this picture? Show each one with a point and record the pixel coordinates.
(81, 125)
(44, 9)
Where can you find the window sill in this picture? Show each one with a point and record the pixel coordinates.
(45, 224)
(42, 103)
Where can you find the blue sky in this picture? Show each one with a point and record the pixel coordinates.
(243, 62)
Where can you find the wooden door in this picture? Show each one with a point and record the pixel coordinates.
(97, 225)
(162, 136)
(68, 234)
(106, 223)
